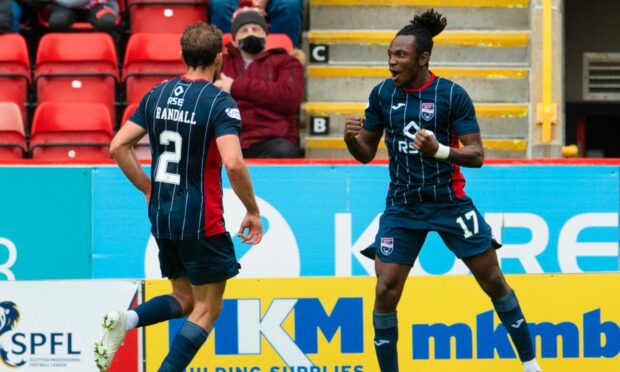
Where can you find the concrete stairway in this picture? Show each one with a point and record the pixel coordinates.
(485, 48)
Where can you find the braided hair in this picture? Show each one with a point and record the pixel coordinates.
(424, 27)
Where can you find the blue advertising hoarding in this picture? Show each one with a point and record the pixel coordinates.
(45, 223)
(551, 219)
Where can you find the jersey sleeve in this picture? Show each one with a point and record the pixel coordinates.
(463, 113)
(374, 117)
(139, 116)
(228, 119)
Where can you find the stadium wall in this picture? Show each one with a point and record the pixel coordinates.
(89, 222)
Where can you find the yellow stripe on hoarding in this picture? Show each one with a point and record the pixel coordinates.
(337, 143)
(482, 39)
(431, 3)
(447, 72)
(486, 110)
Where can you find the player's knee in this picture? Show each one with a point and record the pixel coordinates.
(206, 314)
(494, 284)
(186, 300)
(387, 295)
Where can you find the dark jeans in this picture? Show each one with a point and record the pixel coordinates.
(102, 17)
(275, 148)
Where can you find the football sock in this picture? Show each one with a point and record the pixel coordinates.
(531, 366)
(157, 310)
(386, 337)
(184, 347)
(131, 320)
(512, 318)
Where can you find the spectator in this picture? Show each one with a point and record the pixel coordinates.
(10, 16)
(268, 86)
(284, 15)
(100, 13)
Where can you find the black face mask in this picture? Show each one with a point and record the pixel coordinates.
(252, 44)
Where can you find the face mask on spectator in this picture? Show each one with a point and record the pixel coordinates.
(252, 44)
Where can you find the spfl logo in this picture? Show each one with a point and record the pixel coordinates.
(53, 349)
(9, 317)
(387, 246)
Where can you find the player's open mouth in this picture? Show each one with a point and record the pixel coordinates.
(394, 74)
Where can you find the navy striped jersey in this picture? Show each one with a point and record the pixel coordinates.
(440, 106)
(183, 118)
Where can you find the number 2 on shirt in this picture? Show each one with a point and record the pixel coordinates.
(471, 215)
(162, 174)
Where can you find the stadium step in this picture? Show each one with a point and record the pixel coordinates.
(385, 14)
(471, 47)
(334, 147)
(354, 83)
(496, 120)
(485, 48)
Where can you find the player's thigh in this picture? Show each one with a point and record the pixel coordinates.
(209, 260)
(396, 241)
(462, 228)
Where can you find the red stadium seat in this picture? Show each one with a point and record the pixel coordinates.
(150, 59)
(273, 41)
(279, 41)
(77, 68)
(12, 137)
(170, 16)
(14, 71)
(143, 148)
(71, 131)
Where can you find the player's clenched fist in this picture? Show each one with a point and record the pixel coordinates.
(352, 127)
(425, 142)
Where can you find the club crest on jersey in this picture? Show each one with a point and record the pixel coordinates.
(428, 111)
(387, 246)
(178, 90)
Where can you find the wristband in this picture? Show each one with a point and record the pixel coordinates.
(443, 152)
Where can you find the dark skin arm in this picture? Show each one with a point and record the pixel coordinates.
(362, 144)
(471, 155)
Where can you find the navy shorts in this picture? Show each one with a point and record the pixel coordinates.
(203, 261)
(403, 230)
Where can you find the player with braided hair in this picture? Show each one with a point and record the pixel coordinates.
(424, 118)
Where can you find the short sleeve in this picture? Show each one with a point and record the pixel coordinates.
(373, 121)
(228, 119)
(139, 116)
(463, 113)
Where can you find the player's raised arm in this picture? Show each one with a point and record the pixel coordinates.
(232, 159)
(122, 150)
(362, 144)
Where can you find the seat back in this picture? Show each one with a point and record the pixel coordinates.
(165, 18)
(71, 131)
(12, 137)
(137, 86)
(75, 53)
(14, 55)
(150, 53)
(14, 89)
(150, 59)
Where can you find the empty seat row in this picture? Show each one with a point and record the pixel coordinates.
(60, 131)
(83, 67)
